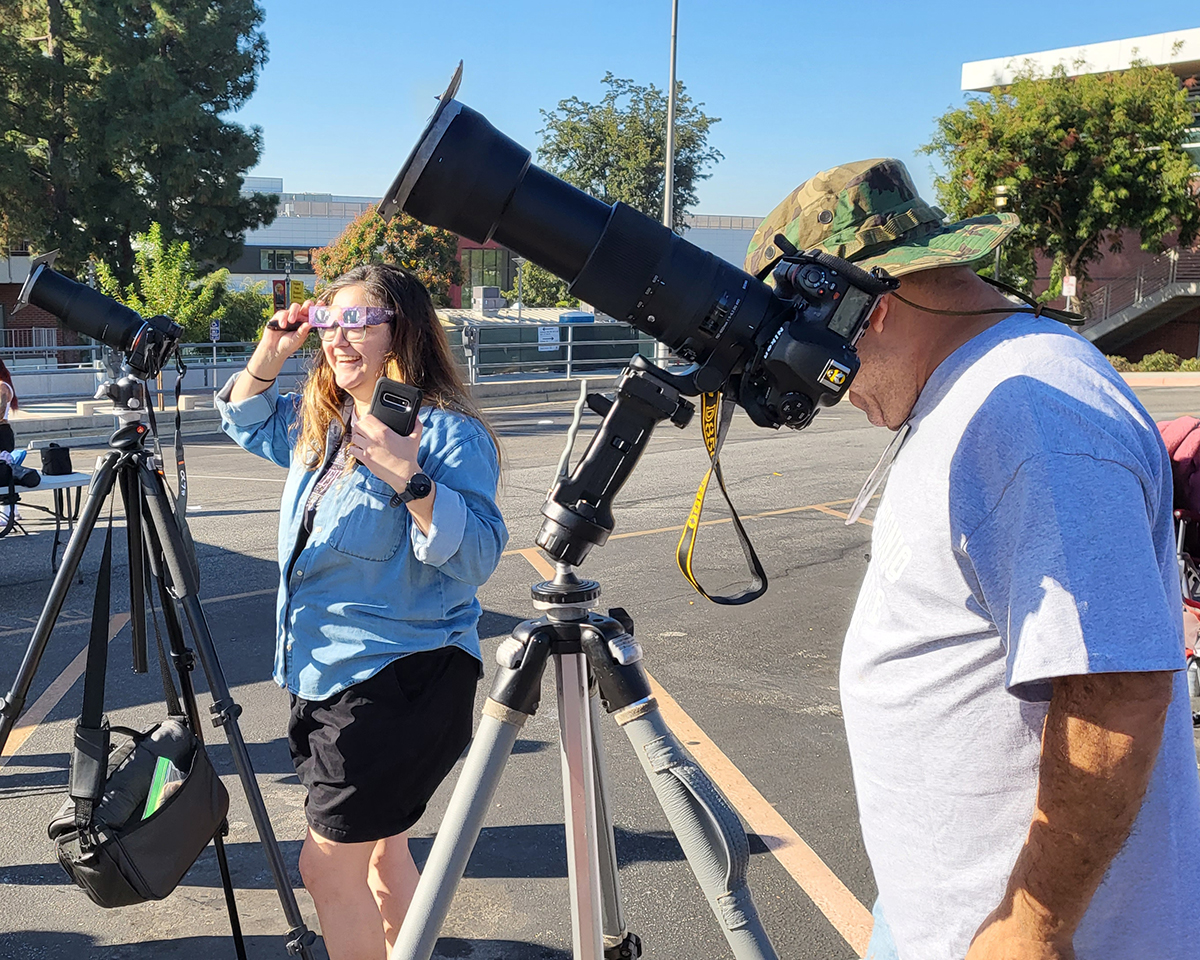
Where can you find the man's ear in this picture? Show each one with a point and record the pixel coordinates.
(879, 314)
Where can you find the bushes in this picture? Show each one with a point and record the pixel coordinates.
(1158, 362)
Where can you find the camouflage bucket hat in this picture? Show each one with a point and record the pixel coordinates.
(869, 212)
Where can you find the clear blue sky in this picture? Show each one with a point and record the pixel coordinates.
(799, 86)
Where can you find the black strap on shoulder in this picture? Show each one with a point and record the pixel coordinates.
(89, 759)
(716, 413)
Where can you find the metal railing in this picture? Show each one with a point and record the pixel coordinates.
(1174, 266)
(567, 349)
(487, 352)
(29, 337)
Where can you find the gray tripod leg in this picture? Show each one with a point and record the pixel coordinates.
(617, 937)
(514, 699)
(707, 827)
(458, 832)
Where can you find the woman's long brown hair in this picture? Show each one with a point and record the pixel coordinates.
(419, 355)
(7, 378)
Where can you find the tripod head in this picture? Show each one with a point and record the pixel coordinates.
(578, 509)
(129, 397)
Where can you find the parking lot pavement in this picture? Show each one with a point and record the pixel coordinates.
(759, 682)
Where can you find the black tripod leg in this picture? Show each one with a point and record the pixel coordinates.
(13, 703)
(225, 711)
(235, 923)
(184, 664)
(131, 497)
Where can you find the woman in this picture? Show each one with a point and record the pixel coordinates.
(383, 540)
(8, 401)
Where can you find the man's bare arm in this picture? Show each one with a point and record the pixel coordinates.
(1099, 746)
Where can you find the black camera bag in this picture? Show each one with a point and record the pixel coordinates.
(117, 857)
(103, 843)
(56, 461)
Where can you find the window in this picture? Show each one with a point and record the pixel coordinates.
(277, 260)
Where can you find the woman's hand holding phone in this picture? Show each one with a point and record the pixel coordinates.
(391, 457)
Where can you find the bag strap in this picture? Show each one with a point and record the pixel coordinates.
(716, 413)
(174, 708)
(89, 759)
(181, 494)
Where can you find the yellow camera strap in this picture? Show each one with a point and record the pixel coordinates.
(716, 412)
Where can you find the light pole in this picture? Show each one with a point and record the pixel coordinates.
(1000, 200)
(661, 353)
(520, 262)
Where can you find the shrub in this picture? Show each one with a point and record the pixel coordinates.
(1120, 364)
(1190, 365)
(1159, 362)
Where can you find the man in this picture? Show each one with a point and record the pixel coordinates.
(1012, 684)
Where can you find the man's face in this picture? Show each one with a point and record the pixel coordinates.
(887, 383)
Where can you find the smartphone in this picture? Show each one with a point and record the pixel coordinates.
(396, 404)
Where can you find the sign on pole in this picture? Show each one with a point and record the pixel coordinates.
(298, 291)
(547, 339)
(279, 294)
(1069, 284)
(214, 331)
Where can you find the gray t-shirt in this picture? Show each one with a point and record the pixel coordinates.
(1025, 533)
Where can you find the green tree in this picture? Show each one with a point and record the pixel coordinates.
(430, 254)
(112, 118)
(541, 288)
(1086, 157)
(616, 149)
(165, 282)
(243, 312)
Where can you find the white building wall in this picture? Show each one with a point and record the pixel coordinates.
(1179, 50)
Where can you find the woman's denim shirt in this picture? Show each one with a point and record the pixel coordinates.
(369, 586)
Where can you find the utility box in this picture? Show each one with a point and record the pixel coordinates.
(486, 301)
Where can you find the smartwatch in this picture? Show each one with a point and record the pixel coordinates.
(418, 487)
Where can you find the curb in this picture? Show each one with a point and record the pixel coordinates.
(1162, 379)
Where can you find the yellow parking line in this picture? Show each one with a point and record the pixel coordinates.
(52, 694)
(818, 507)
(849, 917)
(61, 684)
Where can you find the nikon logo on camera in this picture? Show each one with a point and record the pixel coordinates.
(835, 374)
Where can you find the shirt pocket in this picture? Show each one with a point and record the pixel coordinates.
(362, 522)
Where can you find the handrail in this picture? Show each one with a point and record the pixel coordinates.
(1174, 266)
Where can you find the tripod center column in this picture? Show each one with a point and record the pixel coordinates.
(579, 801)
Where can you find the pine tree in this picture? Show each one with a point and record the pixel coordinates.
(112, 119)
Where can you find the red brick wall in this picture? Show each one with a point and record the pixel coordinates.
(31, 316)
(1180, 337)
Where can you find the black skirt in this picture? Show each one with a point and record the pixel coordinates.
(371, 756)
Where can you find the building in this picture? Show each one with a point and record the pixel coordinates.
(1137, 303)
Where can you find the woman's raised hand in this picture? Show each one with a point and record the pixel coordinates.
(284, 334)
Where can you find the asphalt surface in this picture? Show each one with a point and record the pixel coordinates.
(760, 680)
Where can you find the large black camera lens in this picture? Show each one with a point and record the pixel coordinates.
(146, 344)
(81, 308)
(466, 176)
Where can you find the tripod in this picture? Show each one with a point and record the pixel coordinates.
(590, 651)
(157, 540)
